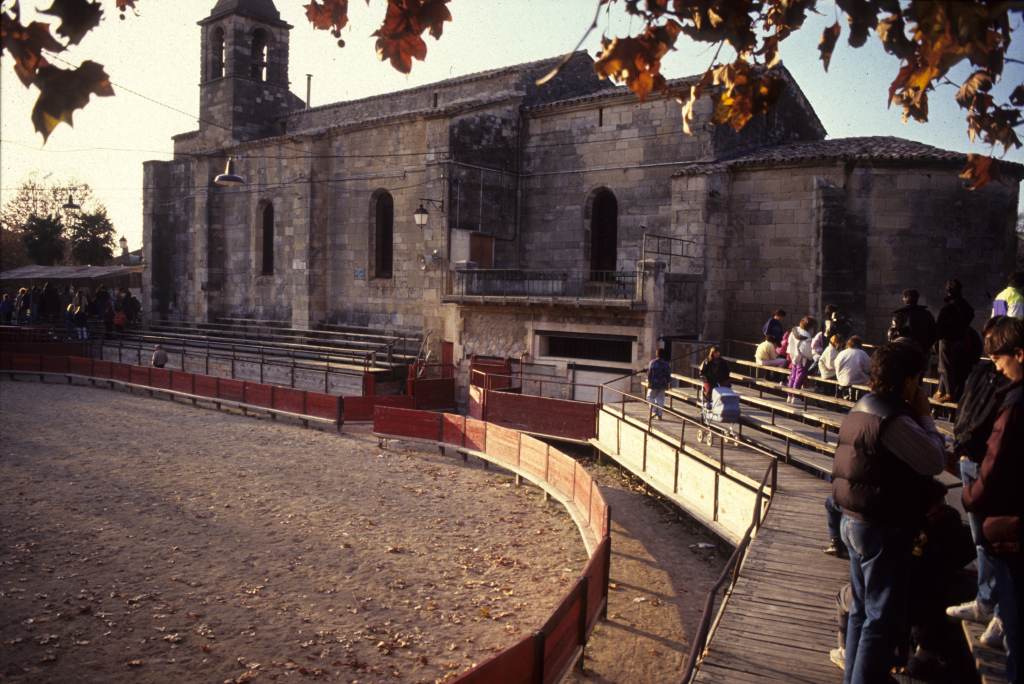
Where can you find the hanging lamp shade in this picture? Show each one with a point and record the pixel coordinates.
(420, 216)
(229, 178)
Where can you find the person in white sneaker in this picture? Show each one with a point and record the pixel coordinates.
(996, 495)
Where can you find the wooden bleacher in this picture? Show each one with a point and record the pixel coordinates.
(777, 578)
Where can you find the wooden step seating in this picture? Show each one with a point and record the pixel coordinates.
(787, 438)
(757, 371)
(337, 351)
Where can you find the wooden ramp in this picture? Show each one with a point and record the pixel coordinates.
(779, 623)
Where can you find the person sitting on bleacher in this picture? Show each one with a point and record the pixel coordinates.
(852, 366)
(827, 361)
(767, 353)
(800, 353)
(774, 327)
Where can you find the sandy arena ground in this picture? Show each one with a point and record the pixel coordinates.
(142, 540)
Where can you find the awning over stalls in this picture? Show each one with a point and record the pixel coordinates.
(63, 273)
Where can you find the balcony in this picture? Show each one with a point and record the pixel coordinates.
(540, 287)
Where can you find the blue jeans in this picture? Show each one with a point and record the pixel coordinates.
(1008, 579)
(879, 573)
(986, 575)
(833, 514)
(656, 396)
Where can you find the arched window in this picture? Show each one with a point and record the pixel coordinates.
(259, 55)
(383, 235)
(267, 240)
(604, 234)
(217, 53)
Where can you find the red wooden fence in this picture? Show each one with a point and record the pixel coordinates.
(547, 654)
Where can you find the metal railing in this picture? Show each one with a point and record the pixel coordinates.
(224, 353)
(542, 283)
(675, 248)
(765, 492)
(730, 573)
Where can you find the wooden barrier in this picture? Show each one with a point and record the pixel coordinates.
(183, 382)
(160, 378)
(291, 400)
(138, 375)
(361, 408)
(547, 655)
(232, 390)
(543, 415)
(433, 393)
(258, 395)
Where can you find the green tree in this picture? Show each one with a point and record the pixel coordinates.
(12, 249)
(44, 240)
(92, 239)
(37, 197)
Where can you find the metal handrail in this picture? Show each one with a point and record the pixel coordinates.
(731, 573)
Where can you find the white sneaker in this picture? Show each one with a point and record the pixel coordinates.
(993, 634)
(972, 610)
(838, 657)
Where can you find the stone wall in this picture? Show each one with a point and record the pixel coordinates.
(168, 279)
(569, 153)
(856, 236)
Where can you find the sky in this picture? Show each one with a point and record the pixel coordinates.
(152, 58)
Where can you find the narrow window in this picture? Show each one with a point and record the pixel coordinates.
(268, 240)
(435, 100)
(259, 55)
(600, 116)
(383, 236)
(604, 235)
(217, 51)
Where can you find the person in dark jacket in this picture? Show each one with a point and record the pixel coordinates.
(887, 453)
(914, 321)
(959, 348)
(774, 327)
(996, 495)
(979, 405)
(715, 372)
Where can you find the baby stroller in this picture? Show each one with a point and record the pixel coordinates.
(722, 410)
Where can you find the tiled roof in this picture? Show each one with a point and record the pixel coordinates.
(878, 148)
(541, 66)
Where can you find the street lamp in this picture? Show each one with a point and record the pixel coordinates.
(421, 214)
(229, 178)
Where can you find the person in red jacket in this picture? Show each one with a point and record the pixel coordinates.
(996, 495)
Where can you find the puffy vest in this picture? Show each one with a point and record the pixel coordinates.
(868, 481)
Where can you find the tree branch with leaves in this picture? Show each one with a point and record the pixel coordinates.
(927, 38)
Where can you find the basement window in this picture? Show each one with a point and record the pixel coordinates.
(587, 347)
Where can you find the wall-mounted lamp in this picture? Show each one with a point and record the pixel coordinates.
(421, 215)
(229, 178)
(430, 260)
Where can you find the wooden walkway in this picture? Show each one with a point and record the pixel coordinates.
(780, 621)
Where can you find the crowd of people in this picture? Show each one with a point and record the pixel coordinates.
(888, 512)
(76, 307)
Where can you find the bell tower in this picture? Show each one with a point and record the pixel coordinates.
(244, 74)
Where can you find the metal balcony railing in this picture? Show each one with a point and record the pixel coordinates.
(534, 283)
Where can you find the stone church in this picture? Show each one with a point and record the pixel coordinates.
(567, 222)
